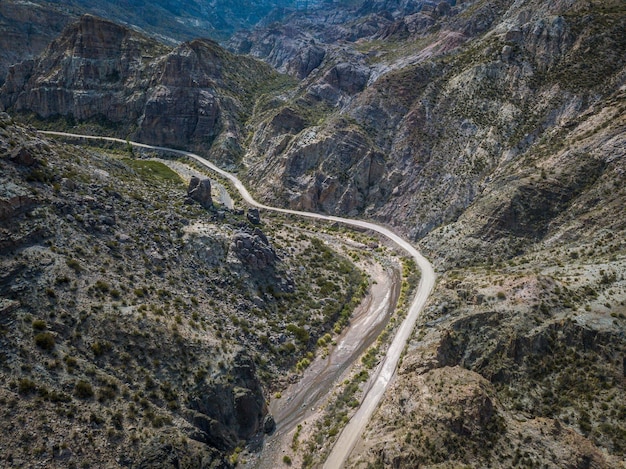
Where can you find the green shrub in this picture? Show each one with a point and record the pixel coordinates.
(83, 390)
(102, 286)
(26, 386)
(70, 362)
(39, 325)
(45, 341)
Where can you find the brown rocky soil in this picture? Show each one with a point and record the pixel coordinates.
(137, 329)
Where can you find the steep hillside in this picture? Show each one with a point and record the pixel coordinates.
(138, 327)
(490, 132)
(106, 78)
(519, 359)
(449, 106)
(26, 28)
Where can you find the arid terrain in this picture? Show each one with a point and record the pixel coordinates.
(147, 322)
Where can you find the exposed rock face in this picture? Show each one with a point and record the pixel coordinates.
(26, 29)
(327, 168)
(287, 49)
(14, 200)
(254, 216)
(200, 191)
(166, 117)
(99, 71)
(229, 412)
(254, 250)
(347, 77)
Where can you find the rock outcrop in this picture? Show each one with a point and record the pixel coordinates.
(101, 72)
(254, 216)
(254, 250)
(229, 412)
(199, 190)
(14, 200)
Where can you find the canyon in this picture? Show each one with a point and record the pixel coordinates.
(489, 133)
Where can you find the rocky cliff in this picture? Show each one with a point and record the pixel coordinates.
(97, 72)
(490, 132)
(26, 29)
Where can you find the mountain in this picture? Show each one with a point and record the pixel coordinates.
(194, 95)
(183, 20)
(489, 132)
(140, 327)
(28, 27)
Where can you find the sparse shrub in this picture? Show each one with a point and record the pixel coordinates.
(105, 394)
(70, 362)
(287, 460)
(62, 280)
(74, 265)
(83, 390)
(45, 341)
(303, 364)
(102, 286)
(39, 325)
(99, 348)
(26, 386)
(95, 419)
(117, 419)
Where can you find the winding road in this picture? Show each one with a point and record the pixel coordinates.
(384, 372)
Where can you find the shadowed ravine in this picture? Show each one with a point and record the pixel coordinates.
(384, 372)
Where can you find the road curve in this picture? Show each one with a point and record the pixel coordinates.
(384, 372)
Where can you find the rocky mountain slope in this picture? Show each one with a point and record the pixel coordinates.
(195, 95)
(445, 91)
(494, 134)
(140, 327)
(491, 132)
(28, 27)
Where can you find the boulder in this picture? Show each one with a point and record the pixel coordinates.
(199, 190)
(254, 216)
(23, 156)
(269, 424)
